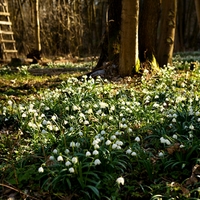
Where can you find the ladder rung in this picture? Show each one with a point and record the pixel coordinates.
(5, 23)
(9, 51)
(7, 41)
(5, 13)
(6, 32)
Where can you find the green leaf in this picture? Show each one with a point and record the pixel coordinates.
(94, 190)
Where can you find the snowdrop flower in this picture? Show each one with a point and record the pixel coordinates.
(97, 162)
(44, 131)
(68, 163)
(72, 144)
(175, 136)
(78, 144)
(118, 142)
(53, 117)
(86, 122)
(120, 180)
(51, 158)
(117, 133)
(114, 146)
(174, 120)
(182, 146)
(41, 170)
(198, 119)
(103, 105)
(96, 146)
(80, 133)
(108, 142)
(137, 139)
(160, 154)
(191, 127)
(134, 153)
(95, 152)
(103, 132)
(71, 128)
(71, 170)
(128, 151)
(59, 158)
(113, 137)
(66, 151)
(74, 160)
(55, 151)
(88, 154)
(167, 142)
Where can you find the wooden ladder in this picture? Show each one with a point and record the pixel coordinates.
(7, 42)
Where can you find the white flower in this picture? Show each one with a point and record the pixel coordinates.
(53, 117)
(68, 163)
(97, 162)
(59, 158)
(167, 142)
(134, 153)
(71, 170)
(114, 146)
(128, 151)
(88, 154)
(41, 170)
(191, 127)
(78, 144)
(108, 142)
(80, 133)
(66, 151)
(137, 139)
(113, 137)
(51, 158)
(74, 160)
(103, 132)
(103, 105)
(72, 144)
(44, 131)
(174, 120)
(160, 154)
(95, 152)
(118, 142)
(120, 180)
(175, 136)
(96, 146)
(55, 151)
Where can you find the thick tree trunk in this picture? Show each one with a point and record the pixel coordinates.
(168, 26)
(129, 37)
(148, 28)
(110, 46)
(197, 5)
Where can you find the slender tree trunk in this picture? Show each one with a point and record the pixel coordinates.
(129, 37)
(37, 25)
(168, 26)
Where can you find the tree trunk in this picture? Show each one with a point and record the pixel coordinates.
(37, 25)
(129, 37)
(111, 42)
(168, 25)
(197, 5)
(148, 28)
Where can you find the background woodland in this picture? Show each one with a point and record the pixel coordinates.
(77, 27)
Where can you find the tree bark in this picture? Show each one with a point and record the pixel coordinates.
(168, 25)
(148, 28)
(37, 25)
(111, 41)
(197, 5)
(129, 37)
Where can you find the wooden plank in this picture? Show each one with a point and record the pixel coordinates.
(5, 23)
(6, 32)
(9, 51)
(7, 41)
(5, 13)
